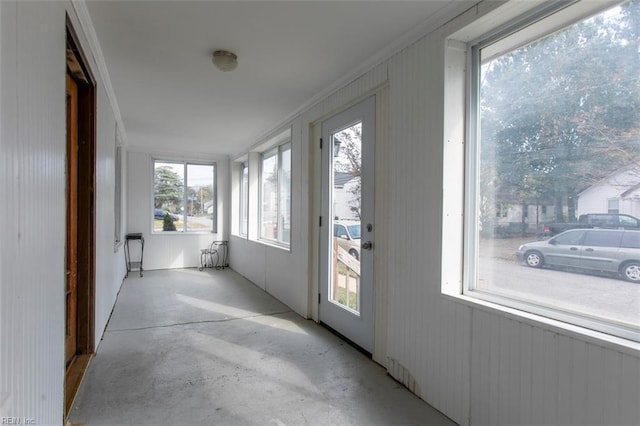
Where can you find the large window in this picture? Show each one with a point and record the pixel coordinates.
(275, 193)
(555, 134)
(184, 197)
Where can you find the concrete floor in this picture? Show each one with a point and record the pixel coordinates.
(185, 347)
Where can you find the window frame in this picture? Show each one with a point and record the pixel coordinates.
(616, 201)
(276, 151)
(118, 197)
(185, 163)
(549, 18)
(243, 191)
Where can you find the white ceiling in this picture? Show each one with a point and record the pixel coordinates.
(172, 99)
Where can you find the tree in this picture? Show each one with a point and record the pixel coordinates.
(168, 188)
(167, 223)
(561, 113)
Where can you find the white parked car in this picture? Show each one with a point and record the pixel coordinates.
(347, 232)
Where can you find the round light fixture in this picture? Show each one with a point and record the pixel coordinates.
(225, 60)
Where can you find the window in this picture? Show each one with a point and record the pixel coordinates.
(628, 222)
(613, 206)
(608, 238)
(275, 184)
(244, 199)
(554, 110)
(184, 197)
(117, 197)
(631, 239)
(569, 238)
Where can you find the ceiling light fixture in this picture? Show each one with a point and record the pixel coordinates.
(225, 60)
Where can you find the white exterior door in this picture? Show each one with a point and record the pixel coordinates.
(347, 229)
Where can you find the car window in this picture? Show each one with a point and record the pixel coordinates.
(628, 221)
(340, 231)
(354, 230)
(631, 239)
(604, 220)
(603, 239)
(569, 238)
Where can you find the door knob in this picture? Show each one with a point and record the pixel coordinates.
(367, 245)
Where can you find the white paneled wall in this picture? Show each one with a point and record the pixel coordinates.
(32, 243)
(33, 210)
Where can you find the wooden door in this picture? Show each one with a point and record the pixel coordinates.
(71, 323)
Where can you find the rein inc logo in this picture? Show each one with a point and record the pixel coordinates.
(17, 421)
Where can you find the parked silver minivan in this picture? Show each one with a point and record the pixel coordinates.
(607, 250)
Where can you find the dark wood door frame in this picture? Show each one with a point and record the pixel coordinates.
(86, 223)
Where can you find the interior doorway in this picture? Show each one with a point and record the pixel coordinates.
(347, 240)
(80, 222)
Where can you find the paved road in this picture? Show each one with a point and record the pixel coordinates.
(589, 293)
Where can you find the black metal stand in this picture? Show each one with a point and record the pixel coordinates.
(127, 256)
(218, 250)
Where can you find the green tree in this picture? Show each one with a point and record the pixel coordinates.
(563, 112)
(168, 188)
(167, 223)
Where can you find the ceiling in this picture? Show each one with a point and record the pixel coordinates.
(172, 99)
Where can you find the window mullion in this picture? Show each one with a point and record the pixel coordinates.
(184, 198)
(279, 193)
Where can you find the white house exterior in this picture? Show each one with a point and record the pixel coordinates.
(344, 199)
(617, 193)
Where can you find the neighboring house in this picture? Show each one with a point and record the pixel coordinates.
(208, 207)
(617, 193)
(509, 216)
(344, 199)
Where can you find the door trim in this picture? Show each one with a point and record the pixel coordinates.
(312, 136)
(77, 67)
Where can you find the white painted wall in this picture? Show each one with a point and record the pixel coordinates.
(279, 271)
(32, 244)
(32, 46)
(162, 250)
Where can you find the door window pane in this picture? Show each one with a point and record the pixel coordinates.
(346, 202)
